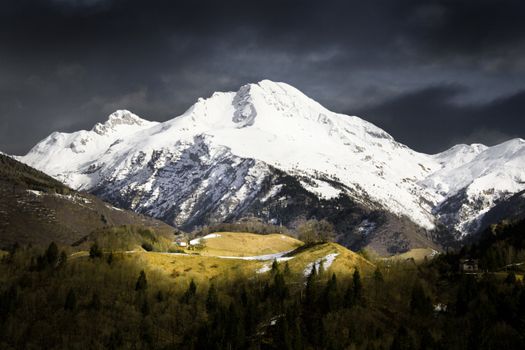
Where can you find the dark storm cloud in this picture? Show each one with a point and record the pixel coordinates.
(433, 112)
(65, 64)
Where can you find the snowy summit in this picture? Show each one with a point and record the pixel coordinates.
(220, 158)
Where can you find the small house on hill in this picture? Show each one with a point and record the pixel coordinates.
(468, 265)
(181, 242)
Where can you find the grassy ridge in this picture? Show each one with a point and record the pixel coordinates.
(248, 244)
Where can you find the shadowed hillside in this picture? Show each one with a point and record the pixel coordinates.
(37, 209)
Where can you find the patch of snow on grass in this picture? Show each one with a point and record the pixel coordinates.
(114, 208)
(277, 256)
(264, 269)
(74, 198)
(198, 240)
(366, 227)
(433, 253)
(34, 192)
(327, 261)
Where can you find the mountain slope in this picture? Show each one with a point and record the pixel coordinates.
(468, 189)
(37, 209)
(239, 153)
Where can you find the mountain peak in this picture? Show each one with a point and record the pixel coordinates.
(269, 87)
(225, 148)
(118, 118)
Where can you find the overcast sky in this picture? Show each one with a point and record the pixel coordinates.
(431, 73)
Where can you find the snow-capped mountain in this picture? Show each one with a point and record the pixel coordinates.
(474, 179)
(239, 152)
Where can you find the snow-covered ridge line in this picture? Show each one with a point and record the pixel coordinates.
(216, 159)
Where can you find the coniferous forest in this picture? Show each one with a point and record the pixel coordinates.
(52, 300)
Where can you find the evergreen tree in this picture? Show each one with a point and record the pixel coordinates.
(427, 341)
(320, 268)
(95, 303)
(467, 291)
(378, 276)
(142, 282)
(280, 291)
(212, 301)
(357, 287)
(329, 298)
(115, 340)
(94, 251)
(159, 296)
(309, 293)
(51, 255)
(349, 299)
(110, 259)
(190, 293)
(145, 307)
(511, 278)
(71, 301)
(402, 340)
(287, 272)
(62, 259)
(146, 333)
(419, 302)
(275, 267)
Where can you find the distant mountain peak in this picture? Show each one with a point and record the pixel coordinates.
(118, 118)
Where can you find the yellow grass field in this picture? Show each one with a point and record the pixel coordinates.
(248, 244)
(344, 263)
(182, 268)
(202, 269)
(210, 264)
(418, 254)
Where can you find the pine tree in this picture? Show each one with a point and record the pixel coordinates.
(71, 301)
(402, 340)
(349, 300)
(427, 340)
(280, 291)
(378, 282)
(95, 303)
(287, 272)
(419, 302)
(51, 255)
(357, 287)
(146, 333)
(115, 340)
(159, 296)
(142, 282)
(190, 293)
(62, 260)
(511, 278)
(467, 291)
(110, 259)
(275, 267)
(329, 297)
(212, 301)
(378, 276)
(309, 293)
(94, 251)
(145, 308)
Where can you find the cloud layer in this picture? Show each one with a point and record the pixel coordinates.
(430, 72)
